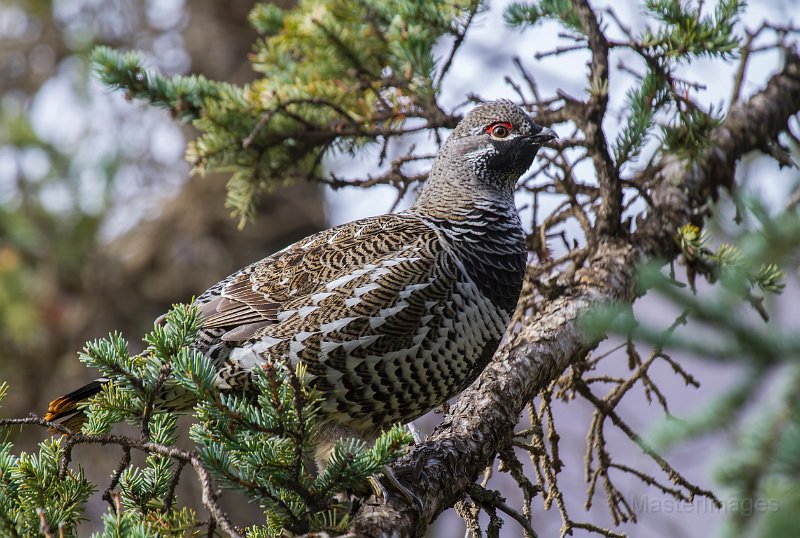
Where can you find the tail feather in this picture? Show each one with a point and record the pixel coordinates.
(67, 409)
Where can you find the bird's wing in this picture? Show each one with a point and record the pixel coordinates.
(310, 270)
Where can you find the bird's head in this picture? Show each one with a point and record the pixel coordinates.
(484, 156)
(499, 140)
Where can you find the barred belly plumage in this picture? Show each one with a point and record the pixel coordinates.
(444, 355)
(405, 339)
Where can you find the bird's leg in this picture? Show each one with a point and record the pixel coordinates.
(395, 484)
(327, 436)
(381, 491)
(330, 433)
(378, 489)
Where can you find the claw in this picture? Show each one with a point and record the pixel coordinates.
(378, 489)
(395, 484)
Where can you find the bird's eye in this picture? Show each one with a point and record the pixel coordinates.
(499, 130)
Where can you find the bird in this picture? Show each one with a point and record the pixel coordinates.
(392, 315)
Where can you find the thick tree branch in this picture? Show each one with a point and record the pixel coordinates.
(441, 470)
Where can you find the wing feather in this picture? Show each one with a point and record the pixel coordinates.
(238, 304)
(251, 300)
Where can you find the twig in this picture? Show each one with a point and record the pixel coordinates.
(44, 526)
(203, 476)
(473, 9)
(740, 71)
(608, 215)
(528, 78)
(676, 477)
(484, 498)
(108, 494)
(559, 50)
(173, 484)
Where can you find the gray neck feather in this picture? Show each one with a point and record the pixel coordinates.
(454, 187)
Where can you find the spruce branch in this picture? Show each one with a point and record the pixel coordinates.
(643, 101)
(529, 13)
(278, 128)
(259, 444)
(192, 458)
(764, 449)
(185, 97)
(687, 31)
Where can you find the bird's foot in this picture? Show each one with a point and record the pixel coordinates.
(394, 484)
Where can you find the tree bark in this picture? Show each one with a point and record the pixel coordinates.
(440, 470)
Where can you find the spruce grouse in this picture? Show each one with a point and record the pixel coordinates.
(394, 314)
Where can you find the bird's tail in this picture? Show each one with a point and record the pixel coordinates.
(66, 408)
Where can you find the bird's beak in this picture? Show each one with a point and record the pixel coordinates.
(545, 135)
